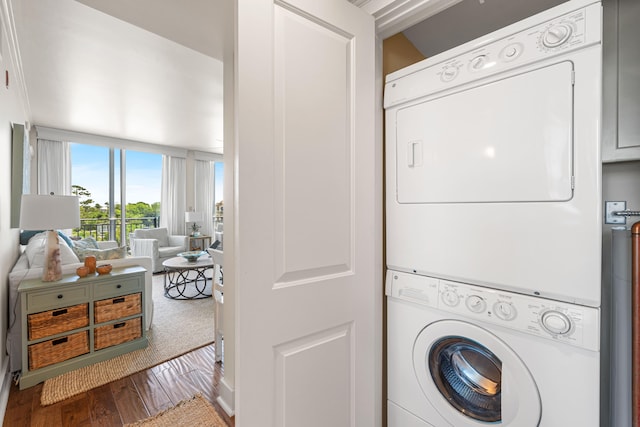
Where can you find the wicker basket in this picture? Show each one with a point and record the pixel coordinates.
(117, 333)
(54, 322)
(116, 308)
(57, 350)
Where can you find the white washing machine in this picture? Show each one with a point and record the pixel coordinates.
(468, 356)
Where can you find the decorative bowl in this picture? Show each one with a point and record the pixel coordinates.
(82, 271)
(104, 269)
(192, 256)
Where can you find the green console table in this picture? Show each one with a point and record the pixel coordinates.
(76, 321)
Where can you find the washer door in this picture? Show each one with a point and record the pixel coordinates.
(471, 377)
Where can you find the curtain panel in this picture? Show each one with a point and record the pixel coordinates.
(54, 167)
(173, 200)
(203, 193)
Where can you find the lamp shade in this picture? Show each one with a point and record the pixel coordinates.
(49, 212)
(193, 216)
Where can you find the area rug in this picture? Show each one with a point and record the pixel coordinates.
(194, 412)
(178, 327)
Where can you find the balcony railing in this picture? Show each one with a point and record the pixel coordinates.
(103, 229)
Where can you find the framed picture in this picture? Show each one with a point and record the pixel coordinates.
(20, 170)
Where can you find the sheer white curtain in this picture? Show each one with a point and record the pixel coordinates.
(54, 167)
(173, 200)
(203, 192)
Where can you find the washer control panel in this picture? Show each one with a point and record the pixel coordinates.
(532, 41)
(569, 323)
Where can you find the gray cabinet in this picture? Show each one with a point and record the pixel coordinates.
(621, 81)
(77, 321)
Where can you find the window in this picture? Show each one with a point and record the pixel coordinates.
(96, 179)
(218, 194)
(143, 189)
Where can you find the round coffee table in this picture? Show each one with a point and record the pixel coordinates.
(186, 280)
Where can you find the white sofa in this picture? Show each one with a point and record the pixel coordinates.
(21, 271)
(157, 244)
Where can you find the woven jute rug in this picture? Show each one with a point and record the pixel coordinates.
(178, 327)
(194, 412)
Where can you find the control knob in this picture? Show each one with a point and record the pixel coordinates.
(449, 74)
(505, 310)
(478, 63)
(556, 35)
(476, 303)
(511, 51)
(556, 322)
(450, 298)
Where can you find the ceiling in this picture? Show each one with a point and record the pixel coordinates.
(151, 70)
(144, 70)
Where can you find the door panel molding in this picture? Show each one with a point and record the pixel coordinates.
(314, 207)
(304, 389)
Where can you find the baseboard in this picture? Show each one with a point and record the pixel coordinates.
(227, 398)
(5, 388)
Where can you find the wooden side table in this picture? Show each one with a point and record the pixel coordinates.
(204, 243)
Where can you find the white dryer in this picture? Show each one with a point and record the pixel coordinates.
(467, 356)
(493, 159)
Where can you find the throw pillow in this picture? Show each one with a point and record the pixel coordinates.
(86, 243)
(25, 235)
(35, 251)
(101, 254)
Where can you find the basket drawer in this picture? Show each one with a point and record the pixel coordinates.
(60, 349)
(117, 333)
(56, 321)
(117, 307)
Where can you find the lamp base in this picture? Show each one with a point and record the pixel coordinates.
(52, 270)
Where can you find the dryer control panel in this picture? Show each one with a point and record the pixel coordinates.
(572, 324)
(503, 50)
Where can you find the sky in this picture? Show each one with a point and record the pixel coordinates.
(90, 169)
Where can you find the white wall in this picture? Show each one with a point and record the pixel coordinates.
(12, 110)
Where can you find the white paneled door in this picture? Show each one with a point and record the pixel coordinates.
(308, 233)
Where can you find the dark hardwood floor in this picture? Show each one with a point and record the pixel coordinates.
(127, 400)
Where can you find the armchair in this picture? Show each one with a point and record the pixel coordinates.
(157, 244)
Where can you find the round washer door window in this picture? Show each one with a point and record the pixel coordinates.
(471, 376)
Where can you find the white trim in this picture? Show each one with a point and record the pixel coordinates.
(227, 397)
(9, 27)
(380, 329)
(394, 16)
(203, 155)
(5, 387)
(108, 141)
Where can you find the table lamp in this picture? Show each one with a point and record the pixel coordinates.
(50, 212)
(193, 217)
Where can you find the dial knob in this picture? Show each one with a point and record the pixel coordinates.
(511, 52)
(476, 304)
(505, 310)
(450, 298)
(478, 62)
(449, 74)
(555, 322)
(556, 35)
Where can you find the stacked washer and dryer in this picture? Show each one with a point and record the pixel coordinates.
(494, 228)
